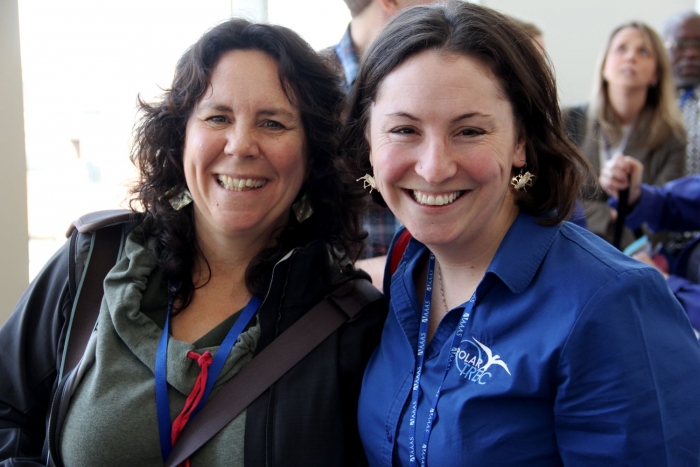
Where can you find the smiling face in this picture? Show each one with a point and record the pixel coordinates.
(443, 142)
(630, 61)
(245, 150)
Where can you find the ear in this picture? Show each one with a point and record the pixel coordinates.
(520, 154)
(390, 7)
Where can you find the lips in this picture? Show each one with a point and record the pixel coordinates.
(435, 199)
(240, 184)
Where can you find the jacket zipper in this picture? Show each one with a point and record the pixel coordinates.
(273, 388)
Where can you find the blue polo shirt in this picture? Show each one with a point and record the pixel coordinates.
(573, 354)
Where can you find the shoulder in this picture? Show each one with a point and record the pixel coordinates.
(618, 297)
(565, 261)
(99, 219)
(591, 255)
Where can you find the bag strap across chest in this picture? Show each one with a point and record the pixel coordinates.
(107, 229)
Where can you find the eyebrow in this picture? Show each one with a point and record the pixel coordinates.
(454, 120)
(271, 111)
(277, 112)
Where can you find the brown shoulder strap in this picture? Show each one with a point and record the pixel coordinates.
(272, 363)
(98, 219)
(103, 254)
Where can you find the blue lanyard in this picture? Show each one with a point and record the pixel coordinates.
(684, 98)
(162, 398)
(420, 357)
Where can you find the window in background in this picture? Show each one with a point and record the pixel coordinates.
(320, 22)
(85, 62)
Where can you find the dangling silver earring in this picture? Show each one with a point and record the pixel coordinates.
(180, 200)
(302, 209)
(368, 181)
(523, 180)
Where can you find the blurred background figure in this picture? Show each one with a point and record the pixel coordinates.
(673, 206)
(368, 18)
(682, 40)
(632, 111)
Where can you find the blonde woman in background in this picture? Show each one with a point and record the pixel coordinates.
(633, 111)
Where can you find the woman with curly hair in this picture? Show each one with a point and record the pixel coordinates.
(244, 219)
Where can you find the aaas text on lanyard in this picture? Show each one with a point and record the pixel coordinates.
(420, 357)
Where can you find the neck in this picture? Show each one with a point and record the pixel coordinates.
(464, 264)
(224, 260)
(627, 103)
(365, 26)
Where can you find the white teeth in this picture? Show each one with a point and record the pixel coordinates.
(435, 200)
(239, 184)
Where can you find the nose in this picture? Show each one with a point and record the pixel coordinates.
(242, 141)
(436, 164)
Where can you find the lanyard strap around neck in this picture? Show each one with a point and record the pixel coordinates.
(420, 358)
(217, 364)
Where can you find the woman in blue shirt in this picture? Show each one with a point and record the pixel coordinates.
(513, 337)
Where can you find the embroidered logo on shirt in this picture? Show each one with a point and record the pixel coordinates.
(475, 361)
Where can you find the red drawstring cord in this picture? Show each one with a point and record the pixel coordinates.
(193, 398)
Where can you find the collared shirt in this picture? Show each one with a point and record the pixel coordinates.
(345, 50)
(689, 101)
(573, 354)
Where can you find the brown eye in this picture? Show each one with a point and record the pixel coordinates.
(471, 132)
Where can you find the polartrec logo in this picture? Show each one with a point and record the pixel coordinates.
(474, 361)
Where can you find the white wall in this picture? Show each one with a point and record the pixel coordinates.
(575, 32)
(14, 258)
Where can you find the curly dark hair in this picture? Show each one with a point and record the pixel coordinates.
(504, 48)
(313, 88)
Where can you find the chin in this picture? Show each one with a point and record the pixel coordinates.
(432, 235)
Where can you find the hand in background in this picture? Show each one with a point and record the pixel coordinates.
(620, 173)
